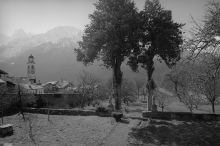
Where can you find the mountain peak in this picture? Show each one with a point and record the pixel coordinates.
(64, 29)
(19, 33)
(63, 32)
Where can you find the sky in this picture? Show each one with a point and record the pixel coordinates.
(38, 16)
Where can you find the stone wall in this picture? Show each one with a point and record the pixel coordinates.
(182, 116)
(74, 112)
(60, 111)
(9, 102)
(63, 101)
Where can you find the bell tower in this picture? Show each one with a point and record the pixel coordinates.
(31, 69)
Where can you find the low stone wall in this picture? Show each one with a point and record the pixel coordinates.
(182, 116)
(75, 112)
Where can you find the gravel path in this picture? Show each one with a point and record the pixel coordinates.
(119, 136)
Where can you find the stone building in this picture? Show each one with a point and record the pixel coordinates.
(31, 69)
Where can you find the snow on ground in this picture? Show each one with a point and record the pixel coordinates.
(61, 130)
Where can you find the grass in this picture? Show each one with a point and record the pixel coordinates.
(183, 134)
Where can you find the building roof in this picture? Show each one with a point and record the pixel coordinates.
(3, 72)
(23, 80)
(51, 82)
(62, 84)
(2, 81)
(31, 86)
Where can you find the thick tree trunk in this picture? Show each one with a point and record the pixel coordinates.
(2, 110)
(150, 85)
(149, 100)
(213, 107)
(117, 80)
(20, 104)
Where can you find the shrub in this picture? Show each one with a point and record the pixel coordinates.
(95, 102)
(102, 109)
(40, 103)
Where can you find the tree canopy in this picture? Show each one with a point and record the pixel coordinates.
(160, 35)
(111, 33)
(110, 37)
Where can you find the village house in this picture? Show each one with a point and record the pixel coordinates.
(59, 87)
(6, 82)
(28, 83)
(50, 87)
(3, 75)
(65, 86)
(32, 89)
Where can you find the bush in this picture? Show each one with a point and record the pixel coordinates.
(40, 103)
(95, 102)
(57, 95)
(102, 109)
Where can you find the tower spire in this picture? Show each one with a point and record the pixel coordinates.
(31, 69)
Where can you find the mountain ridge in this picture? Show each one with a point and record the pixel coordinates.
(55, 58)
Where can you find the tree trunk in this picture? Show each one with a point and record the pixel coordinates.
(213, 107)
(2, 110)
(117, 80)
(20, 104)
(150, 84)
(144, 95)
(138, 94)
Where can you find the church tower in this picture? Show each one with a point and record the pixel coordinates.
(31, 69)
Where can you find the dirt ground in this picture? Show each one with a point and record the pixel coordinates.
(87, 130)
(60, 131)
(67, 131)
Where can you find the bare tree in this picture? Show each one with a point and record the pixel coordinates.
(20, 103)
(128, 91)
(161, 99)
(204, 47)
(205, 36)
(88, 84)
(208, 78)
(181, 80)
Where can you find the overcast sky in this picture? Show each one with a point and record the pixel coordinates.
(38, 16)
